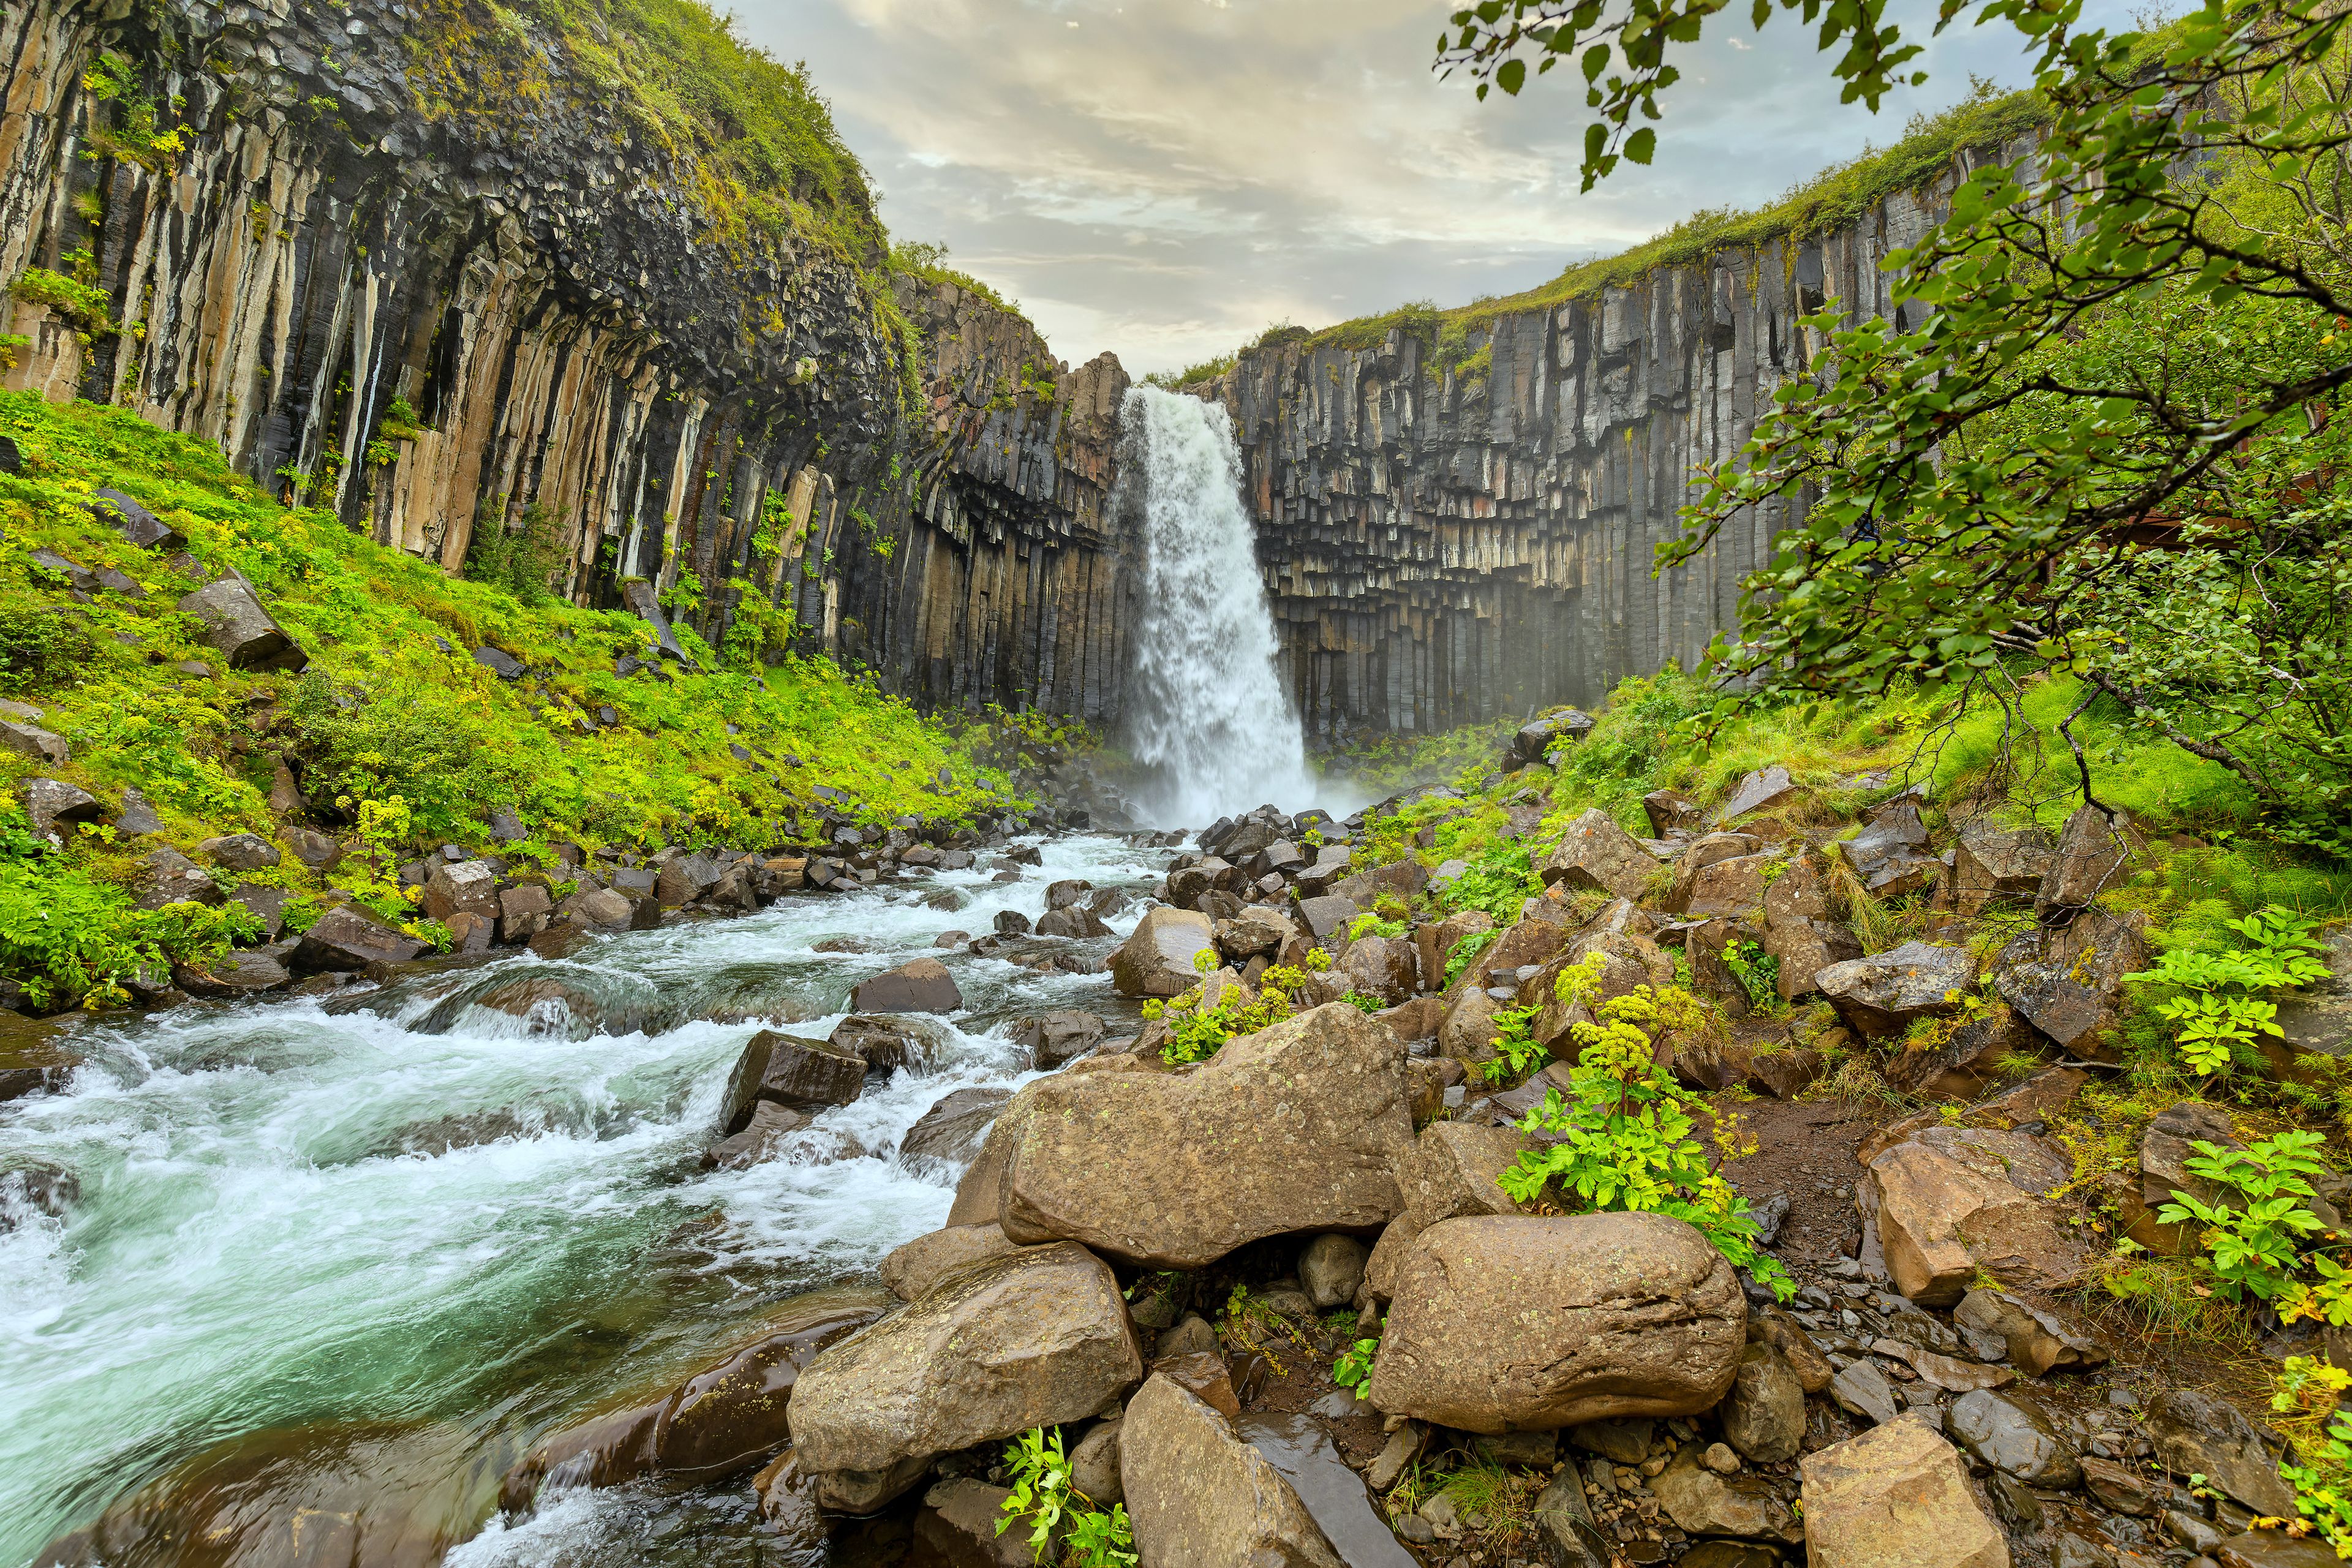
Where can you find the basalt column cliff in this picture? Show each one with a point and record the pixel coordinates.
(437, 268)
(1446, 546)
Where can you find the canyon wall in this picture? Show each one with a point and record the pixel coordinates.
(1445, 546)
(405, 260)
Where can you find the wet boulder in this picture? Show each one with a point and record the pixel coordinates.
(1035, 1337)
(952, 1131)
(348, 937)
(1704, 1503)
(912, 1269)
(1197, 1494)
(1952, 1201)
(1608, 1315)
(888, 1041)
(1731, 885)
(1054, 1039)
(236, 624)
(524, 912)
(768, 1135)
(791, 1070)
(1671, 811)
(957, 1528)
(134, 522)
(1596, 854)
(1253, 933)
(1881, 994)
(232, 976)
(1157, 959)
(1895, 1496)
(2015, 1435)
(1298, 1126)
(1074, 922)
(1968, 1063)
(1331, 1269)
(725, 1418)
(918, 986)
(1535, 739)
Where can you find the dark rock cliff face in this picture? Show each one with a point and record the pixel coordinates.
(297, 215)
(1448, 547)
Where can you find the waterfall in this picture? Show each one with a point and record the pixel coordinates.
(1210, 717)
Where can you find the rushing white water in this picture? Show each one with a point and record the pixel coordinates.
(274, 1232)
(1210, 714)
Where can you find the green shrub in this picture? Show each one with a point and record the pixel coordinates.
(70, 939)
(41, 647)
(1046, 1497)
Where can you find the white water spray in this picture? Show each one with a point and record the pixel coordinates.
(1210, 715)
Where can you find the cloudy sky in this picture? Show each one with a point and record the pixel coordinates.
(1164, 178)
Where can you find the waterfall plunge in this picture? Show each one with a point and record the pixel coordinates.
(1210, 716)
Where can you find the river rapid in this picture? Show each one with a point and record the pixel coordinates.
(395, 1238)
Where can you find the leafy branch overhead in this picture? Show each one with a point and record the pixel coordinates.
(2094, 432)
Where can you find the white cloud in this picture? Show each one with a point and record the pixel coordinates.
(1164, 180)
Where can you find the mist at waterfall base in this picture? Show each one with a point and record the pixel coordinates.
(1209, 720)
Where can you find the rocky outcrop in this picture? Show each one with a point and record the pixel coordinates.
(421, 265)
(1607, 1315)
(1897, 1496)
(1453, 537)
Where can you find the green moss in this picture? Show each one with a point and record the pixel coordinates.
(386, 711)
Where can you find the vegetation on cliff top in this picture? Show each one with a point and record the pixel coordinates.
(394, 733)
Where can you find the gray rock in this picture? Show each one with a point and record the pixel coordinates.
(1881, 994)
(1702, 1502)
(240, 852)
(168, 877)
(953, 1129)
(1594, 853)
(1036, 1338)
(791, 1070)
(912, 1269)
(348, 938)
(1760, 790)
(1863, 1390)
(137, 818)
(1995, 865)
(2011, 1434)
(134, 522)
(2197, 1434)
(1054, 1038)
(1094, 1465)
(243, 631)
(2093, 855)
(1332, 1271)
(2038, 1337)
(52, 804)
(1764, 1413)
(1074, 921)
(32, 741)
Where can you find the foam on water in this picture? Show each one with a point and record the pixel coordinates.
(266, 1235)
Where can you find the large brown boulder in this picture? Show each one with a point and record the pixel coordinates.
(1385, 967)
(1297, 1127)
(1955, 1200)
(1157, 959)
(1595, 853)
(1734, 886)
(1452, 1168)
(790, 1070)
(1895, 1496)
(1889, 857)
(1513, 1323)
(349, 937)
(1032, 1338)
(1881, 994)
(918, 986)
(912, 1269)
(1198, 1497)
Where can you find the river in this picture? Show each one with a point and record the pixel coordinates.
(408, 1237)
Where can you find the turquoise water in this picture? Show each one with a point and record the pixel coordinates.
(274, 1231)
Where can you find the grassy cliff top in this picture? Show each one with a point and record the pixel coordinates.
(1832, 199)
